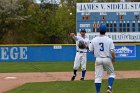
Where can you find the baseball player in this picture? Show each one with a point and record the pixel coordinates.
(103, 49)
(81, 53)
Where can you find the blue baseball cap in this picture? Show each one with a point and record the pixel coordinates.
(102, 28)
(83, 30)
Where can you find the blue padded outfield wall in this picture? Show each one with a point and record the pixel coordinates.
(59, 53)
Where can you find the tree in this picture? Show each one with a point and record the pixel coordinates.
(24, 21)
(9, 19)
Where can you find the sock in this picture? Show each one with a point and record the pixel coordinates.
(98, 86)
(110, 82)
(74, 72)
(83, 73)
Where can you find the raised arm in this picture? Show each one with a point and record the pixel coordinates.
(73, 36)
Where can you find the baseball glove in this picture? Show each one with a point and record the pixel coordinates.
(82, 45)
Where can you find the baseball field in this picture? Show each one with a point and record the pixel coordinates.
(120, 86)
(54, 77)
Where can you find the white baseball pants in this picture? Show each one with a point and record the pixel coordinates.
(80, 59)
(102, 64)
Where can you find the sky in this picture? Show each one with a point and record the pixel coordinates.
(57, 1)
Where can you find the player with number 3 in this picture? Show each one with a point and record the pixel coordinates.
(104, 51)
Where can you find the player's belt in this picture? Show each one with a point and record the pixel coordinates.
(105, 57)
(81, 52)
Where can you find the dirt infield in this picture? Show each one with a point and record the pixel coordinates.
(11, 80)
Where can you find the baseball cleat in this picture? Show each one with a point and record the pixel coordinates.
(82, 79)
(73, 78)
(109, 90)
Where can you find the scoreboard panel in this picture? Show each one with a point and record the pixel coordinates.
(122, 20)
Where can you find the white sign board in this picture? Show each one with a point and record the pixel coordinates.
(118, 37)
(108, 7)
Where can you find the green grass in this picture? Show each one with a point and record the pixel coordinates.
(120, 86)
(58, 66)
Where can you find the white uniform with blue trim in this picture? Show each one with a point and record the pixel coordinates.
(102, 46)
(81, 54)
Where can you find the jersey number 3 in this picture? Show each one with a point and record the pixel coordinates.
(101, 46)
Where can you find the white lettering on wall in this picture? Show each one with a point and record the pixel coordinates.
(84, 25)
(13, 53)
(4, 52)
(23, 54)
(118, 37)
(108, 7)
